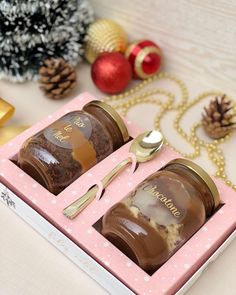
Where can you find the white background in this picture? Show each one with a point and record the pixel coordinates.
(198, 39)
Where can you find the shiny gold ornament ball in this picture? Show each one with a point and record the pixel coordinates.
(104, 35)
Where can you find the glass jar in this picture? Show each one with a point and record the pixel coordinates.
(162, 213)
(60, 153)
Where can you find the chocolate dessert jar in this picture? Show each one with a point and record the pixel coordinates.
(162, 213)
(59, 154)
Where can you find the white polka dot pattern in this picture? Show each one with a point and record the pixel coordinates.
(175, 271)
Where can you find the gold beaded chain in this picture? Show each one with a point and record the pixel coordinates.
(125, 101)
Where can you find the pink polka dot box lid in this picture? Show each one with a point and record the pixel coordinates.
(176, 271)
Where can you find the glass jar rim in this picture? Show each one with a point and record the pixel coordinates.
(202, 174)
(114, 115)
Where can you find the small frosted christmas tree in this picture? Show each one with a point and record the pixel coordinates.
(34, 30)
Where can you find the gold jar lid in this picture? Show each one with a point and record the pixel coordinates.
(114, 115)
(203, 175)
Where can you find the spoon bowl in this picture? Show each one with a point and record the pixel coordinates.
(146, 145)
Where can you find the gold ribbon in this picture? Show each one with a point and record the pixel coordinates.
(8, 132)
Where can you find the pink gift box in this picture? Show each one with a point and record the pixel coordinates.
(96, 255)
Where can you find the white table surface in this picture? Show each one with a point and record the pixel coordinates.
(205, 41)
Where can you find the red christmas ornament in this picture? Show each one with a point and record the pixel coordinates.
(145, 58)
(111, 72)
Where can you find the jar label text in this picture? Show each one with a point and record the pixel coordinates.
(152, 189)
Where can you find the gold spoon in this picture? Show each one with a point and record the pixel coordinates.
(144, 147)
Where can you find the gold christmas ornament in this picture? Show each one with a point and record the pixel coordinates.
(8, 132)
(217, 119)
(57, 78)
(104, 35)
(6, 111)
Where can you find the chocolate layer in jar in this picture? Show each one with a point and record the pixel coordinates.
(161, 214)
(59, 154)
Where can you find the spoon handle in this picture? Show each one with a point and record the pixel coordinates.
(80, 204)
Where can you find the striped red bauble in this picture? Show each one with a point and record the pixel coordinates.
(145, 58)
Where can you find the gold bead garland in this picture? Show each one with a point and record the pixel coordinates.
(125, 101)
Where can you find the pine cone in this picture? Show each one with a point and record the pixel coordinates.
(218, 118)
(57, 78)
